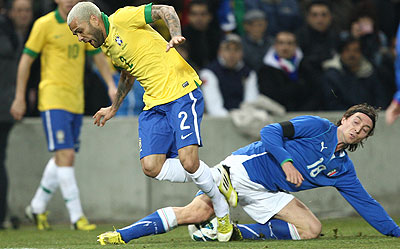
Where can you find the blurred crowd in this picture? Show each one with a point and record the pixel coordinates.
(308, 55)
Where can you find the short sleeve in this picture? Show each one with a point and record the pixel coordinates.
(36, 40)
(133, 17)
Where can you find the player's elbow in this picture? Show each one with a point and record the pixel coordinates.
(168, 9)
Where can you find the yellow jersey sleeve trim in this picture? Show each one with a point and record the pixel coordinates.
(147, 13)
(29, 52)
(93, 52)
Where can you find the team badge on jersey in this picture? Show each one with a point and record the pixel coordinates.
(118, 40)
(60, 136)
(331, 173)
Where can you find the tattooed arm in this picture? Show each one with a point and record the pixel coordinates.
(124, 86)
(171, 19)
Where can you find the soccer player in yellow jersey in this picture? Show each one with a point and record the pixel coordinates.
(169, 126)
(61, 103)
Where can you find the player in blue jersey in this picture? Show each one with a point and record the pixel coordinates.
(303, 153)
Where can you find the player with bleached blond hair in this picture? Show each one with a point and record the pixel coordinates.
(169, 126)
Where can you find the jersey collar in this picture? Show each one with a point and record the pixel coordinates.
(59, 17)
(106, 22)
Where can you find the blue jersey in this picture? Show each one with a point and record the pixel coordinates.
(311, 148)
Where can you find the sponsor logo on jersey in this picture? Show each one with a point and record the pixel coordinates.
(322, 146)
(185, 84)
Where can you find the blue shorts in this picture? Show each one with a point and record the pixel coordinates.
(62, 129)
(164, 129)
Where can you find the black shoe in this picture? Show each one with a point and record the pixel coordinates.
(15, 222)
(236, 235)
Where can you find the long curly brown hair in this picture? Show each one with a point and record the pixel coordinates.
(368, 110)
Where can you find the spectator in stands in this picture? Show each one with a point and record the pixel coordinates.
(317, 38)
(279, 77)
(281, 14)
(341, 11)
(393, 111)
(373, 41)
(255, 41)
(14, 27)
(228, 81)
(349, 78)
(202, 37)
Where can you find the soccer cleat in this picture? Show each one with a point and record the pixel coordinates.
(111, 237)
(226, 188)
(224, 229)
(237, 234)
(83, 225)
(39, 219)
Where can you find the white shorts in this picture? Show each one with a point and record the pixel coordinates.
(260, 204)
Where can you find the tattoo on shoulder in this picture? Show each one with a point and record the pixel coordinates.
(171, 19)
(156, 12)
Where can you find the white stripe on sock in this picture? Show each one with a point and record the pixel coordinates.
(293, 232)
(135, 224)
(168, 218)
(248, 229)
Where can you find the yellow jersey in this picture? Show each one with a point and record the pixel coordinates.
(135, 46)
(62, 63)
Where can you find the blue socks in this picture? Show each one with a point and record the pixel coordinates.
(161, 221)
(273, 229)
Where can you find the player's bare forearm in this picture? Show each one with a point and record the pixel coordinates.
(23, 73)
(169, 16)
(124, 86)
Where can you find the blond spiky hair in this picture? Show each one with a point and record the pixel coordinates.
(83, 11)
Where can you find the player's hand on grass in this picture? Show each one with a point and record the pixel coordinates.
(176, 40)
(392, 112)
(103, 115)
(18, 109)
(292, 174)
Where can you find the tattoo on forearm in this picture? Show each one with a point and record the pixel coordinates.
(169, 16)
(124, 86)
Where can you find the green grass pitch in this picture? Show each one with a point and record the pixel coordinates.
(338, 233)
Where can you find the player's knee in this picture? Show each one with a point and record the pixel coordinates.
(150, 168)
(65, 157)
(312, 231)
(190, 164)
